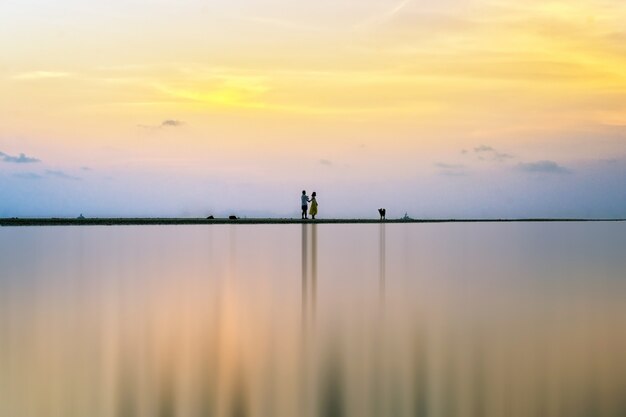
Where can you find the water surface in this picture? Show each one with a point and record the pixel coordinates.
(511, 319)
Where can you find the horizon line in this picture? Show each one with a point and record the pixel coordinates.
(139, 221)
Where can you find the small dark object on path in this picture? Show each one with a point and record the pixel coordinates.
(382, 213)
(210, 218)
(232, 217)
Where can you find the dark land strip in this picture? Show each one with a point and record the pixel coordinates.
(128, 221)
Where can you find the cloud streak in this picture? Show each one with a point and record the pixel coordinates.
(27, 176)
(383, 17)
(60, 174)
(451, 170)
(171, 123)
(41, 75)
(448, 166)
(491, 153)
(542, 167)
(168, 123)
(21, 159)
(483, 148)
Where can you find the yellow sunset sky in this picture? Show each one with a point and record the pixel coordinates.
(460, 108)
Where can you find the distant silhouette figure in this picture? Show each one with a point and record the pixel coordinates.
(304, 199)
(313, 210)
(382, 213)
(81, 217)
(231, 217)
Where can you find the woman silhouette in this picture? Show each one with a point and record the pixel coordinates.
(313, 210)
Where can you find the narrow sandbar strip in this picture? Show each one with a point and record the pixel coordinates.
(201, 221)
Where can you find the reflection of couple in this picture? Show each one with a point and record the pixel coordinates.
(305, 199)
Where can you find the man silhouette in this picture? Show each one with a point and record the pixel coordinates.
(305, 199)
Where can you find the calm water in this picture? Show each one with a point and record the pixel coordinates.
(443, 320)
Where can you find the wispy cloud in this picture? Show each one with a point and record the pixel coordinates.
(383, 17)
(40, 75)
(483, 148)
(449, 166)
(326, 162)
(60, 174)
(545, 167)
(502, 156)
(488, 152)
(27, 175)
(451, 170)
(164, 124)
(171, 123)
(21, 159)
(48, 173)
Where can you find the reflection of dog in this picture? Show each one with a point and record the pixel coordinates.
(382, 213)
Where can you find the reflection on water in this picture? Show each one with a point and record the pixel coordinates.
(360, 320)
(309, 277)
(382, 260)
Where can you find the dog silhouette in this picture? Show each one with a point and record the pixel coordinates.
(382, 213)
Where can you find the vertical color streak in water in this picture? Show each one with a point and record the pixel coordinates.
(305, 273)
(309, 314)
(313, 274)
(382, 256)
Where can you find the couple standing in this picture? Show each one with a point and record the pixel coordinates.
(305, 199)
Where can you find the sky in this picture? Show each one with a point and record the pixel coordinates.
(437, 109)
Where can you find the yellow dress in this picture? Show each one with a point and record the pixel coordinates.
(313, 209)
